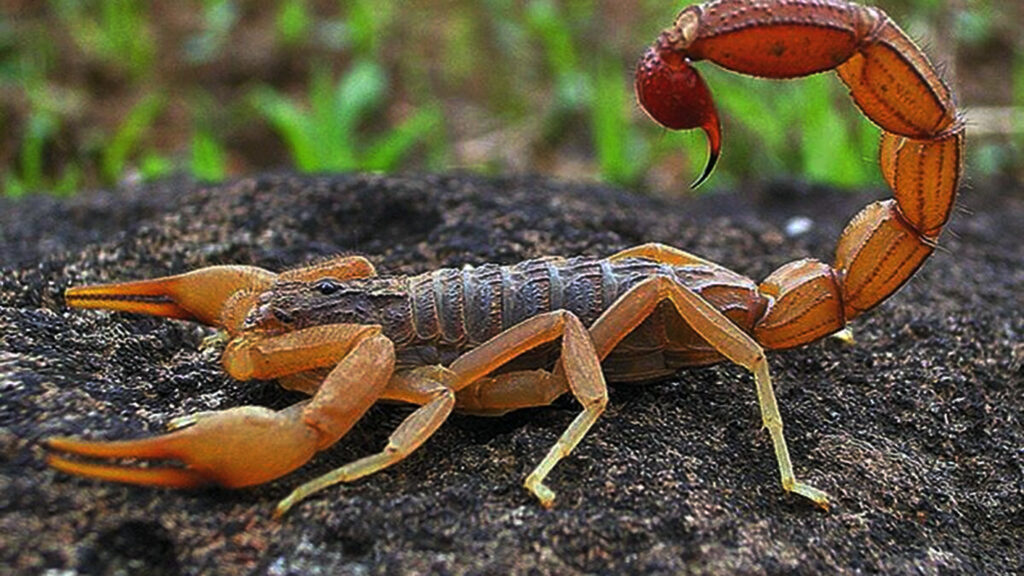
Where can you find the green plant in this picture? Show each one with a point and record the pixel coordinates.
(793, 127)
(837, 148)
(219, 19)
(292, 22)
(126, 139)
(601, 92)
(116, 31)
(553, 74)
(209, 160)
(40, 129)
(549, 24)
(366, 23)
(153, 166)
(326, 137)
(619, 147)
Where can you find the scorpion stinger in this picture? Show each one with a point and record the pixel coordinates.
(673, 93)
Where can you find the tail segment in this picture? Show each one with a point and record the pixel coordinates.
(893, 84)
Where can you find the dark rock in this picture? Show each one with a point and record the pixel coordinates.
(916, 431)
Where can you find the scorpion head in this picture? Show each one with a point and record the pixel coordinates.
(293, 305)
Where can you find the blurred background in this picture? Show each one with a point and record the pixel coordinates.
(99, 92)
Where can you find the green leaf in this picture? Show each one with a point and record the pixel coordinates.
(545, 20)
(293, 22)
(154, 166)
(610, 126)
(327, 133)
(360, 92)
(138, 121)
(14, 187)
(389, 149)
(367, 20)
(209, 161)
(41, 127)
(290, 123)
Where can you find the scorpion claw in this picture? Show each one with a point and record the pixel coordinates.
(234, 448)
(210, 295)
(154, 476)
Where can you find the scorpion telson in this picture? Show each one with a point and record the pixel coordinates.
(491, 339)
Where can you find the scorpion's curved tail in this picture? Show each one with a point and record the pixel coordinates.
(891, 81)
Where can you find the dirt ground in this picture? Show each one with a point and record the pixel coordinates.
(916, 431)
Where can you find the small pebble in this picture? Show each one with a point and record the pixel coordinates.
(798, 226)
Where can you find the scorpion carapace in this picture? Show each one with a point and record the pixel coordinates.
(496, 338)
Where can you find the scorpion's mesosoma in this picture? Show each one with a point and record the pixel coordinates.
(481, 339)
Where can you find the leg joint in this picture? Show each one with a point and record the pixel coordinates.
(772, 422)
(599, 402)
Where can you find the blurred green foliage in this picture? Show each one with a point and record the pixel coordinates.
(96, 91)
(115, 31)
(325, 138)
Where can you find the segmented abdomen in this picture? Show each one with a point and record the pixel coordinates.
(454, 310)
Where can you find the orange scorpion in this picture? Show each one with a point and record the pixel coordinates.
(491, 339)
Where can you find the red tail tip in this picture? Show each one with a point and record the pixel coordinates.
(674, 95)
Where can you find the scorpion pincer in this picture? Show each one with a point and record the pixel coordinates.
(495, 338)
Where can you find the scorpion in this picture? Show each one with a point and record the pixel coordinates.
(492, 339)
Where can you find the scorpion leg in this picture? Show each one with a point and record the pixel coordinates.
(662, 254)
(251, 444)
(582, 371)
(434, 388)
(427, 386)
(497, 395)
(633, 307)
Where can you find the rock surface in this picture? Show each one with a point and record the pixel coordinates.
(916, 431)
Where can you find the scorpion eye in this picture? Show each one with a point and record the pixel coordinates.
(327, 286)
